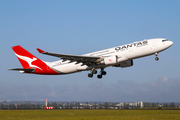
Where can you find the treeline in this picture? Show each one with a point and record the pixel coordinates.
(85, 105)
(76, 105)
(22, 106)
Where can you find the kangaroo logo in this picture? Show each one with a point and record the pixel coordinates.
(28, 60)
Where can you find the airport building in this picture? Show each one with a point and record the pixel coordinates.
(131, 104)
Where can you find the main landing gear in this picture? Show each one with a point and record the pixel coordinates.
(92, 72)
(102, 72)
(156, 58)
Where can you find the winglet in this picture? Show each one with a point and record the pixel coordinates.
(40, 51)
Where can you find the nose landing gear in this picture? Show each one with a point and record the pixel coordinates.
(156, 58)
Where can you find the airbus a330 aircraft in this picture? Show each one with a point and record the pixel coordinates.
(121, 56)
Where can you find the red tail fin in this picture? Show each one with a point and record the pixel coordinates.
(28, 60)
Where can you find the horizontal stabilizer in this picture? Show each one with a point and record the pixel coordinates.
(24, 70)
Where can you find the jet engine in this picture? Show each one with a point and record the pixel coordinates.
(110, 60)
(124, 64)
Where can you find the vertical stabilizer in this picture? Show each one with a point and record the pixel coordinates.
(29, 61)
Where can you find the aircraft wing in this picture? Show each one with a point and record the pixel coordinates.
(86, 60)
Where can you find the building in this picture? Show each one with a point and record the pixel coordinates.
(131, 104)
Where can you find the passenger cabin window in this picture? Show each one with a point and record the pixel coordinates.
(164, 40)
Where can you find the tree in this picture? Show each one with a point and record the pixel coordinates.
(87, 106)
(172, 104)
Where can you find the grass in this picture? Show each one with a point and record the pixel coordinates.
(90, 114)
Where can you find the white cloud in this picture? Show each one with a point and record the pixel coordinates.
(164, 79)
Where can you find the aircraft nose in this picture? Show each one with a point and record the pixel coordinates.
(171, 43)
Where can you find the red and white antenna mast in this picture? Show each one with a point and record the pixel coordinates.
(46, 102)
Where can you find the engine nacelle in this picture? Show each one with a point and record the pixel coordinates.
(124, 64)
(110, 60)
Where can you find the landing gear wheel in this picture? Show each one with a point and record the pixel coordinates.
(90, 75)
(103, 72)
(99, 76)
(156, 58)
(94, 72)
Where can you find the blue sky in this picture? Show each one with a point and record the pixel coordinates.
(79, 27)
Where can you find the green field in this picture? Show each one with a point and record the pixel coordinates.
(90, 114)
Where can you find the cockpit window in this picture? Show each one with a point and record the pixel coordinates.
(164, 40)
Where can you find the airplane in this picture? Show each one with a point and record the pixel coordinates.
(120, 56)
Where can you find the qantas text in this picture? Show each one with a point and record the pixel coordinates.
(137, 44)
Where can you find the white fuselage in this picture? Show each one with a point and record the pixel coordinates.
(123, 53)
